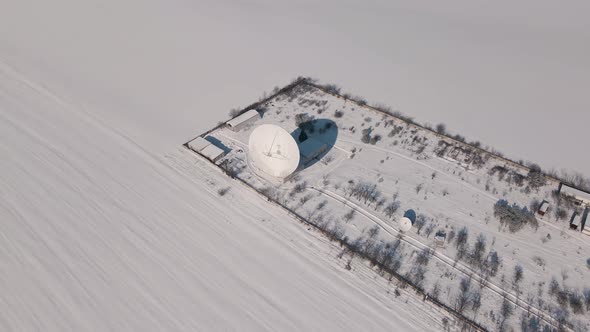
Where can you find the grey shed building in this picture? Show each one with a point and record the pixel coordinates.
(242, 120)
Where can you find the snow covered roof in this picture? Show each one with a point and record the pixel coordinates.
(242, 117)
(576, 219)
(544, 207)
(198, 144)
(212, 152)
(576, 193)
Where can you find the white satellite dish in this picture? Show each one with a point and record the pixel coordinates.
(405, 224)
(273, 150)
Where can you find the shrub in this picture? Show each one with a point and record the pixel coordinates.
(338, 114)
(223, 191)
(375, 139)
(441, 128)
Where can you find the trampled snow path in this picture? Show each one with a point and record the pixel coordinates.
(99, 234)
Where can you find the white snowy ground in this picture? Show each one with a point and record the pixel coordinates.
(99, 234)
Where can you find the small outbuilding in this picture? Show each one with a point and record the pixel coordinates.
(543, 208)
(575, 220)
(310, 149)
(242, 120)
(440, 238)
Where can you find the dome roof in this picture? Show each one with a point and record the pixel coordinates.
(405, 224)
(273, 150)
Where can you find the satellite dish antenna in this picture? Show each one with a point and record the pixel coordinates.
(405, 224)
(273, 151)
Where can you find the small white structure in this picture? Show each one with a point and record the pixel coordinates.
(440, 238)
(405, 224)
(273, 151)
(212, 152)
(198, 144)
(543, 208)
(242, 120)
(311, 149)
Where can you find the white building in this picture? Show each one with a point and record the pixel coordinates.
(242, 120)
(582, 197)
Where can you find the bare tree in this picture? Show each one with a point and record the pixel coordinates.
(494, 263)
(420, 223)
(461, 242)
(553, 286)
(536, 177)
(304, 199)
(518, 274)
(441, 128)
(419, 187)
(349, 215)
(576, 302)
(506, 310)
(586, 293)
(475, 301)
(560, 213)
(429, 229)
(435, 293)
(373, 232)
(478, 250)
(391, 208)
(464, 295)
(416, 275)
(530, 323)
(423, 256)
